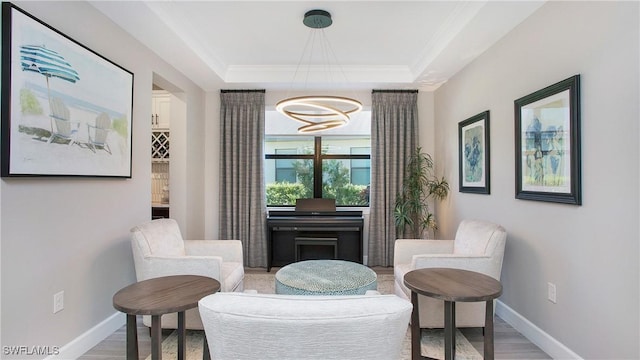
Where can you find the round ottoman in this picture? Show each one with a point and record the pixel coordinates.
(325, 277)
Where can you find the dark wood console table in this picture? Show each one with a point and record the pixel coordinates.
(160, 296)
(313, 235)
(451, 285)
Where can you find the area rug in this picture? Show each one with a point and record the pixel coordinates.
(432, 340)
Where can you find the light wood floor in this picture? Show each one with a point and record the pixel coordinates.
(509, 343)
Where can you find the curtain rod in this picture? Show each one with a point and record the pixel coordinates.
(242, 91)
(394, 91)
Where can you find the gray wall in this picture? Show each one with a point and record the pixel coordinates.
(591, 251)
(71, 234)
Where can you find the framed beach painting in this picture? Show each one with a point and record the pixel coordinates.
(473, 154)
(547, 146)
(66, 110)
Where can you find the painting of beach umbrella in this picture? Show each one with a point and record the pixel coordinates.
(47, 62)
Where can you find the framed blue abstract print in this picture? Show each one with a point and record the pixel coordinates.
(473, 154)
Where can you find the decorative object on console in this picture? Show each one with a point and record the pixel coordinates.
(55, 130)
(473, 154)
(547, 134)
(411, 213)
(318, 112)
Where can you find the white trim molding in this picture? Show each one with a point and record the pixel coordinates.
(85, 342)
(546, 342)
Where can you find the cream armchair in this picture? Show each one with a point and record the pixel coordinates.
(159, 250)
(267, 326)
(478, 246)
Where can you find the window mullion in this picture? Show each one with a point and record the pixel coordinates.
(317, 167)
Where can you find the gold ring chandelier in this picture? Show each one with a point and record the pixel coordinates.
(318, 112)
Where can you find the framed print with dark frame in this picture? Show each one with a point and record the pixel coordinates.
(473, 154)
(547, 144)
(66, 110)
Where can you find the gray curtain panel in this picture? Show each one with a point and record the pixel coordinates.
(242, 203)
(394, 136)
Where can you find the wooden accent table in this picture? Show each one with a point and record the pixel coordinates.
(451, 285)
(155, 297)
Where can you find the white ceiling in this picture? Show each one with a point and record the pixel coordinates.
(376, 44)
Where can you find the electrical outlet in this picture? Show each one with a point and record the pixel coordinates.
(551, 289)
(58, 302)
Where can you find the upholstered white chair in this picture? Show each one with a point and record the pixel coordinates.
(478, 246)
(159, 250)
(267, 326)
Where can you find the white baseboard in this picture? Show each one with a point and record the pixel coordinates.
(544, 341)
(91, 338)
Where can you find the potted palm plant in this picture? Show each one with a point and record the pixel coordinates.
(412, 215)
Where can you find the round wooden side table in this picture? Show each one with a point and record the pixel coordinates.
(452, 285)
(158, 296)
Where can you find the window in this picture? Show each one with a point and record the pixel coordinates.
(334, 164)
(285, 170)
(361, 168)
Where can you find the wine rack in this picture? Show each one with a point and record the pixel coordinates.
(160, 145)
